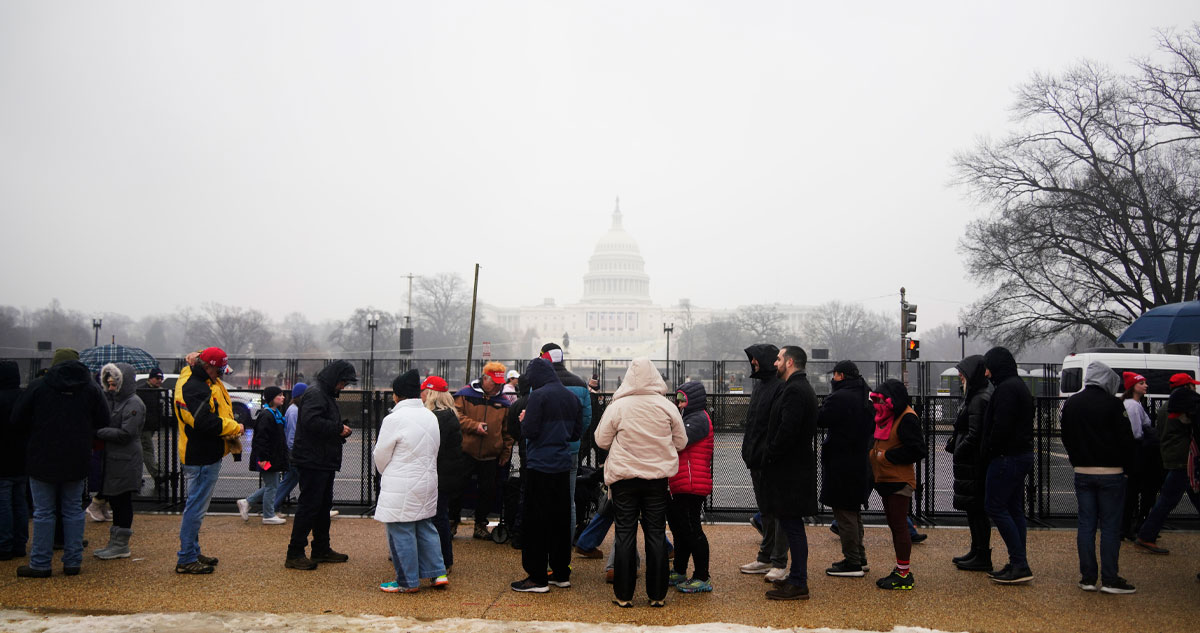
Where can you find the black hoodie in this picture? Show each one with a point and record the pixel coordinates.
(60, 413)
(754, 436)
(849, 420)
(318, 444)
(966, 442)
(1008, 421)
(13, 444)
(553, 419)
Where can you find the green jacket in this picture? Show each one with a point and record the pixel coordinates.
(1174, 436)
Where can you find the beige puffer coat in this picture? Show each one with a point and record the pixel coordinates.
(642, 430)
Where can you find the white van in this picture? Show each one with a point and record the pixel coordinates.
(1157, 368)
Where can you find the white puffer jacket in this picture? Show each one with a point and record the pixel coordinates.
(406, 457)
(642, 430)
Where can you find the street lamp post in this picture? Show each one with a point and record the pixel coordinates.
(372, 324)
(96, 331)
(962, 336)
(668, 329)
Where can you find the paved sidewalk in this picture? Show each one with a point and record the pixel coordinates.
(251, 577)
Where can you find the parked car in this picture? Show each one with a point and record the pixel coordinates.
(245, 403)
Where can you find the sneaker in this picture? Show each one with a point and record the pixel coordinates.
(274, 520)
(481, 533)
(694, 586)
(528, 586)
(300, 562)
(756, 568)
(243, 509)
(776, 573)
(658, 604)
(561, 584)
(845, 569)
(896, 580)
(1151, 546)
(788, 591)
(756, 521)
(1087, 584)
(94, 512)
(333, 513)
(1120, 585)
(1013, 576)
(211, 561)
(624, 604)
(441, 582)
(394, 587)
(194, 567)
(330, 556)
(674, 578)
(589, 553)
(25, 571)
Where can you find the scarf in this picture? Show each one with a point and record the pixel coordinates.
(884, 419)
(278, 416)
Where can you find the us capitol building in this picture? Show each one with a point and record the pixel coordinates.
(615, 318)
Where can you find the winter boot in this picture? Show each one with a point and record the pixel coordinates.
(982, 561)
(102, 551)
(118, 545)
(968, 556)
(95, 510)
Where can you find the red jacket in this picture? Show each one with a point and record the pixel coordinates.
(695, 460)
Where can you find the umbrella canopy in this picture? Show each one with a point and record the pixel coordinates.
(1172, 323)
(97, 357)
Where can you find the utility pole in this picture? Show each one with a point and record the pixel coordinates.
(471, 337)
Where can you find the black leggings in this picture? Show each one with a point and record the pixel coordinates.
(683, 515)
(122, 509)
(895, 508)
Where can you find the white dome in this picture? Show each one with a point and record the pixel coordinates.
(616, 270)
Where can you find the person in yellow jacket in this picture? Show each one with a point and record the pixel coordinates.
(207, 432)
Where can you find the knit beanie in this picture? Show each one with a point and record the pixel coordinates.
(298, 390)
(269, 394)
(407, 385)
(64, 354)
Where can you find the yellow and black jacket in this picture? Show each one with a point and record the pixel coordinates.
(205, 419)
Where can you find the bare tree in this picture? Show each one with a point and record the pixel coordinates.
(850, 331)
(443, 307)
(353, 336)
(234, 329)
(762, 322)
(298, 335)
(1096, 203)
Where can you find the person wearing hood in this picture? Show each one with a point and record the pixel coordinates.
(643, 434)
(317, 454)
(551, 421)
(435, 394)
(969, 467)
(846, 415)
(14, 478)
(290, 418)
(1176, 426)
(406, 456)
(482, 410)
(1100, 444)
(772, 549)
(689, 488)
(268, 456)
(59, 414)
(207, 433)
(122, 454)
(579, 387)
(898, 446)
(1007, 449)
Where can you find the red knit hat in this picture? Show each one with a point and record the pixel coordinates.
(435, 383)
(1131, 379)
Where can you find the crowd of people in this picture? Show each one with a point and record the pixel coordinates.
(77, 439)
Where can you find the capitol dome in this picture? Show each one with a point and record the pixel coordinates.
(616, 271)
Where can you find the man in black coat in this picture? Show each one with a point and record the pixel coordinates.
(14, 479)
(317, 456)
(772, 550)
(1007, 449)
(848, 417)
(789, 470)
(60, 414)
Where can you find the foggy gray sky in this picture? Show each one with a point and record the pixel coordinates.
(302, 156)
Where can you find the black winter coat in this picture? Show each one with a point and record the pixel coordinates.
(318, 443)
(970, 469)
(269, 443)
(450, 465)
(849, 420)
(789, 476)
(1096, 430)
(1008, 421)
(60, 414)
(757, 414)
(13, 444)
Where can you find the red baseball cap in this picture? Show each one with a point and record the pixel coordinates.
(435, 383)
(1179, 380)
(1131, 378)
(215, 356)
(497, 376)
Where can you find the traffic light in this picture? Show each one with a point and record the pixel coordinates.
(908, 318)
(914, 349)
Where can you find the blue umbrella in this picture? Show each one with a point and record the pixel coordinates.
(97, 357)
(1172, 323)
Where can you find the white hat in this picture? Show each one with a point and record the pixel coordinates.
(512, 373)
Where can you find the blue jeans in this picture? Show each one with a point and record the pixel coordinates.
(200, 481)
(1173, 489)
(416, 551)
(1004, 501)
(266, 494)
(14, 514)
(290, 478)
(797, 540)
(593, 535)
(47, 497)
(1101, 500)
